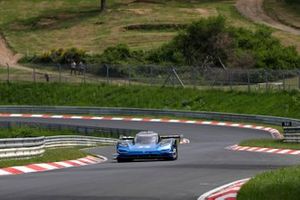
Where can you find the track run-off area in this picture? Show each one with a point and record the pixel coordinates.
(203, 164)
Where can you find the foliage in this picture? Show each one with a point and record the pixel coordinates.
(285, 104)
(202, 39)
(62, 56)
(276, 185)
(293, 1)
(36, 131)
(120, 54)
(267, 50)
(209, 41)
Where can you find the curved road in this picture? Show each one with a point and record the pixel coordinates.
(253, 10)
(203, 165)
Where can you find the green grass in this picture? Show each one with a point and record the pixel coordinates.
(276, 185)
(279, 103)
(50, 155)
(34, 26)
(270, 143)
(25, 131)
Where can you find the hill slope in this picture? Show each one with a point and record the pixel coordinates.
(34, 26)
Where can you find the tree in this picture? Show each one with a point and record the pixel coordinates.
(102, 5)
(205, 42)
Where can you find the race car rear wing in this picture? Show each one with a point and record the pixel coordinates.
(126, 138)
(178, 137)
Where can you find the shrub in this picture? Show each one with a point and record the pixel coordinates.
(62, 56)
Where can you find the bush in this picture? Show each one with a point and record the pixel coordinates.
(62, 56)
(208, 41)
(267, 50)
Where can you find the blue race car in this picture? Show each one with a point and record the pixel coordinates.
(147, 144)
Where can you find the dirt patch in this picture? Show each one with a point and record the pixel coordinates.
(140, 11)
(6, 55)
(201, 11)
(253, 9)
(147, 1)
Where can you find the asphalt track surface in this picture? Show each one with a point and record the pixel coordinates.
(202, 165)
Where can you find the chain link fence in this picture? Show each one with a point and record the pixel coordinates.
(184, 76)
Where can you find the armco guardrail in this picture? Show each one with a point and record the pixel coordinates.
(132, 111)
(29, 147)
(21, 147)
(292, 134)
(76, 140)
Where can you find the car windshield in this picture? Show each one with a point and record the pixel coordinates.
(146, 139)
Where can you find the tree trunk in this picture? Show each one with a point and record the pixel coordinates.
(103, 5)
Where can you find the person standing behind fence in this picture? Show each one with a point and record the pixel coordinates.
(81, 68)
(73, 67)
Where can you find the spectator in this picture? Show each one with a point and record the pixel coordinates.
(47, 77)
(81, 68)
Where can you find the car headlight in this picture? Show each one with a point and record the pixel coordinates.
(123, 145)
(165, 147)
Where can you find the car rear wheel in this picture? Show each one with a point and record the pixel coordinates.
(175, 154)
(124, 160)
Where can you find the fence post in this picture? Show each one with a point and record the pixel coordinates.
(152, 76)
(230, 79)
(107, 74)
(193, 76)
(299, 79)
(266, 79)
(33, 71)
(283, 80)
(248, 80)
(129, 74)
(8, 73)
(84, 73)
(59, 71)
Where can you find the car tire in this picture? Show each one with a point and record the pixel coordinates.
(175, 156)
(120, 160)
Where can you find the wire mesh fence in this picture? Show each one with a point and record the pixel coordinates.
(184, 76)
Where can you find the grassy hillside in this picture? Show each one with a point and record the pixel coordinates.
(40, 25)
(286, 11)
(272, 103)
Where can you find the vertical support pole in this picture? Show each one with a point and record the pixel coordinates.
(129, 74)
(107, 74)
(33, 74)
(248, 80)
(193, 76)
(84, 72)
(152, 76)
(266, 80)
(8, 73)
(283, 81)
(230, 80)
(299, 80)
(59, 71)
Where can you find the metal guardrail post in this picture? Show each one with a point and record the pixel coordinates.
(291, 134)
